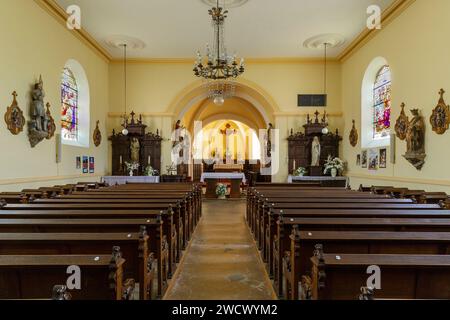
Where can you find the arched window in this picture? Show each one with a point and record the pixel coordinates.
(69, 106)
(75, 105)
(382, 103)
(376, 104)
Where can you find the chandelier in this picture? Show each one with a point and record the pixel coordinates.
(220, 69)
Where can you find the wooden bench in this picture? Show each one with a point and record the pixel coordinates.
(141, 263)
(33, 277)
(158, 244)
(339, 276)
(296, 262)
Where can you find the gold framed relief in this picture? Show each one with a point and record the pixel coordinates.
(440, 118)
(51, 126)
(401, 125)
(353, 135)
(97, 136)
(14, 118)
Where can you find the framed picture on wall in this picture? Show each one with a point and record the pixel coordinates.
(78, 163)
(85, 164)
(373, 159)
(358, 160)
(383, 158)
(364, 159)
(91, 164)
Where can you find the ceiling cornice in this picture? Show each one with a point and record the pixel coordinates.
(273, 60)
(61, 16)
(388, 15)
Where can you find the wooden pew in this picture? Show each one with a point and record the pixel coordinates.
(433, 197)
(101, 211)
(158, 244)
(8, 198)
(296, 263)
(141, 263)
(33, 277)
(339, 276)
(285, 227)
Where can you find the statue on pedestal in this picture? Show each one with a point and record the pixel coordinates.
(315, 152)
(415, 141)
(38, 128)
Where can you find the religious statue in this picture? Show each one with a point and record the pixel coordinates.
(38, 127)
(315, 152)
(269, 140)
(135, 148)
(415, 140)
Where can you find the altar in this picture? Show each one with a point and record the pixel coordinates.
(228, 167)
(212, 178)
(342, 182)
(113, 180)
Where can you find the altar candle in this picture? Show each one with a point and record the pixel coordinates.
(293, 166)
(120, 159)
(148, 159)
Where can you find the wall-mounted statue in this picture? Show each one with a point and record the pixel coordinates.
(97, 135)
(269, 140)
(14, 118)
(38, 126)
(440, 119)
(415, 139)
(401, 124)
(353, 135)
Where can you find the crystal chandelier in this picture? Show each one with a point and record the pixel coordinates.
(221, 69)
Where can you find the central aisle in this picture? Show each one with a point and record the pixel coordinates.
(222, 262)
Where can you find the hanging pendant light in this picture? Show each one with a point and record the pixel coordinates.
(125, 116)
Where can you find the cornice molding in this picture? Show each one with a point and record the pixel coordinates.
(272, 60)
(61, 16)
(305, 113)
(44, 179)
(144, 114)
(388, 15)
(401, 179)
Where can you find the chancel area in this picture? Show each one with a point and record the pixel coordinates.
(224, 150)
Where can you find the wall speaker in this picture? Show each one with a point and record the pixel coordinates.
(58, 148)
(392, 151)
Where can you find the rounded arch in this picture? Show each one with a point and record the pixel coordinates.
(247, 90)
(83, 112)
(367, 103)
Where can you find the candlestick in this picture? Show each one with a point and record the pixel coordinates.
(294, 166)
(148, 160)
(120, 159)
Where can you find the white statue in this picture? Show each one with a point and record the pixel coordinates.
(315, 152)
(135, 148)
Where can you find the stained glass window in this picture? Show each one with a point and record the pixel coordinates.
(382, 103)
(69, 106)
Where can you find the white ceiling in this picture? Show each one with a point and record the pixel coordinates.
(258, 29)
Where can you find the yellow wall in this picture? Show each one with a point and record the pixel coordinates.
(416, 47)
(152, 87)
(34, 43)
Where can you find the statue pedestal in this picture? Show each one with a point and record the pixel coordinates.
(316, 171)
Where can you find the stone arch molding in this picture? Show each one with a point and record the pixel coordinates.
(367, 102)
(245, 89)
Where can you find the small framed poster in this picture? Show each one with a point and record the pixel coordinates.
(364, 159)
(78, 163)
(85, 164)
(91, 164)
(373, 159)
(358, 160)
(383, 158)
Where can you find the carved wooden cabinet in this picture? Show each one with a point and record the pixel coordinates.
(150, 148)
(300, 146)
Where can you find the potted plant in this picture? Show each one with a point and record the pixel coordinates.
(149, 171)
(333, 166)
(221, 191)
(300, 172)
(131, 166)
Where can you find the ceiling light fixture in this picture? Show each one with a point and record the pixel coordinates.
(220, 69)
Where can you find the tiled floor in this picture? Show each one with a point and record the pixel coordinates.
(221, 262)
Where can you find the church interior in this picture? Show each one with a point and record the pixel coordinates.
(249, 149)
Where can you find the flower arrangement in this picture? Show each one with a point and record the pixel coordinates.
(221, 191)
(149, 171)
(300, 172)
(334, 166)
(131, 166)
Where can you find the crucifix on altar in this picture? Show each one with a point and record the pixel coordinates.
(227, 133)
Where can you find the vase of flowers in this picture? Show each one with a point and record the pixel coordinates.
(300, 172)
(221, 191)
(150, 172)
(333, 166)
(131, 166)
